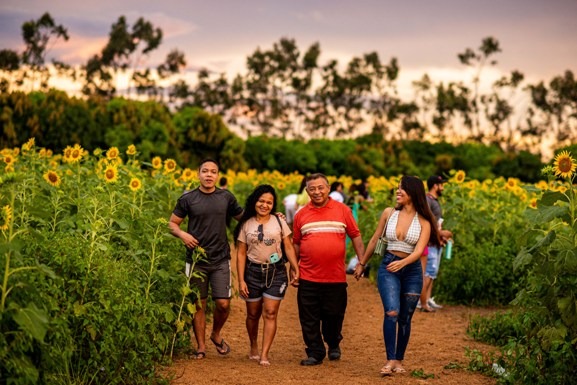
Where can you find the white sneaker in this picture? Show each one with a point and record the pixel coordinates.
(419, 304)
(431, 302)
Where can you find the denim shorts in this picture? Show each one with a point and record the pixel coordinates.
(268, 280)
(433, 262)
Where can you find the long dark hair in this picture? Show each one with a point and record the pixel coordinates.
(249, 208)
(414, 187)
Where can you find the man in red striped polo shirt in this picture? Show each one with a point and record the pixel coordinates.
(319, 234)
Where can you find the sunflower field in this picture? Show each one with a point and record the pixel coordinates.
(92, 286)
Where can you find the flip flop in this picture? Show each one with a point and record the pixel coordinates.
(222, 348)
(387, 370)
(264, 363)
(254, 358)
(199, 355)
(399, 370)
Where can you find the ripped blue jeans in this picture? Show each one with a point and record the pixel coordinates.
(400, 293)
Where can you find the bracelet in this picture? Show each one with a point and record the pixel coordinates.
(362, 264)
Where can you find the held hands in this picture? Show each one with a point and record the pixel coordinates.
(359, 271)
(294, 276)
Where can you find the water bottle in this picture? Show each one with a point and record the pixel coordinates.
(449, 249)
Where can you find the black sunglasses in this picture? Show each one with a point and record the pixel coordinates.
(260, 233)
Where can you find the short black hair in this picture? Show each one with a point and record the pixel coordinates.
(207, 160)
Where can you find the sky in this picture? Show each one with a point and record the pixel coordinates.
(537, 37)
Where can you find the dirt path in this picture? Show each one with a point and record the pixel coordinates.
(438, 339)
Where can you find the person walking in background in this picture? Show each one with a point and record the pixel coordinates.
(302, 196)
(207, 209)
(320, 229)
(290, 207)
(262, 275)
(409, 227)
(435, 185)
(337, 192)
(223, 183)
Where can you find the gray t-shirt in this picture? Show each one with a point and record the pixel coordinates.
(207, 215)
(435, 207)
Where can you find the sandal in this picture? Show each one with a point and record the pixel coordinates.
(222, 348)
(199, 355)
(264, 363)
(387, 370)
(254, 358)
(399, 370)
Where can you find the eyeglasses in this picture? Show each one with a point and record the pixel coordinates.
(260, 233)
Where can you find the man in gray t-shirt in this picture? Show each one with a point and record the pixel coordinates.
(435, 186)
(207, 209)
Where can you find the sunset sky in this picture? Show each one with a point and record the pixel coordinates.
(538, 37)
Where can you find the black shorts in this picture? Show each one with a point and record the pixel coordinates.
(268, 280)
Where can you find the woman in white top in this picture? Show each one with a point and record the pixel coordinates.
(409, 227)
(262, 276)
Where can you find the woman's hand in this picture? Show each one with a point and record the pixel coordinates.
(294, 276)
(243, 289)
(395, 266)
(359, 271)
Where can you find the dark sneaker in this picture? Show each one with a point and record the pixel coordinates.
(335, 354)
(311, 361)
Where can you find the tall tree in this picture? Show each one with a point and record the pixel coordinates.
(553, 112)
(498, 106)
(123, 55)
(39, 36)
(479, 59)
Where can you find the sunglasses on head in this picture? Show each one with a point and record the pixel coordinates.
(260, 233)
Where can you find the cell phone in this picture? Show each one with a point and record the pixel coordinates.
(274, 258)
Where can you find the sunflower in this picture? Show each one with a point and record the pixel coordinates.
(28, 145)
(135, 184)
(460, 176)
(9, 159)
(5, 217)
(66, 154)
(187, 174)
(111, 173)
(542, 185)
(112, 153)
(564, 165)
(131, 150)
(533, 203)
(76, 154)
(52, 178)
(169, 166)
(157, 162)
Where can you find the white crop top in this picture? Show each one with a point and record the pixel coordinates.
(408, 244)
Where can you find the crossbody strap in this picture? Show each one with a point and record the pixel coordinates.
(280, 224)
(387, 222)
(284, 257)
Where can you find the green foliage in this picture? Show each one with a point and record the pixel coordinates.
(203, 135)
(89, 280)
(487, 222)
(538, 339)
